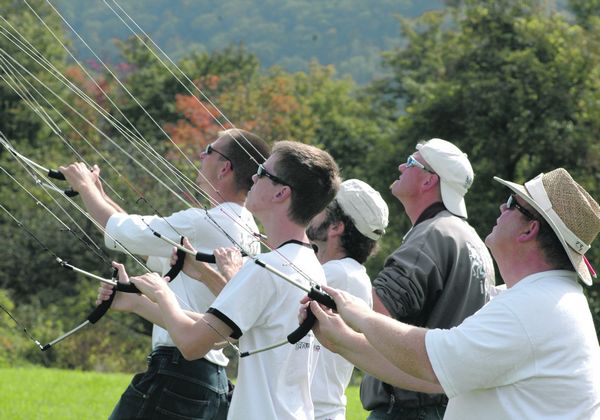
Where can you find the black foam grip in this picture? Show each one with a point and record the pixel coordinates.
(320, 296)
(207, 258)
(71, 192)
(56, 174)
(303, 328)
(127, 288)
(101, 309)
(176, 268)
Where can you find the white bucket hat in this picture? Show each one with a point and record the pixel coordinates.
(571, 212)
(364, 206)
(453, 168)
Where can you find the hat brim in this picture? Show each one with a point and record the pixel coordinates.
(453, 200)
(576, 259)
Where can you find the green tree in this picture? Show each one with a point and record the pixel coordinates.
(511, 83)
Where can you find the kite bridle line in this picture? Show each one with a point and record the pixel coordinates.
(148, 147)
(142, 166)
(51, 187)
(125, 89)
(192, 95)
(98, 311)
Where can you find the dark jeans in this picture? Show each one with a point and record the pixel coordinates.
(432, 412)
(174, 388)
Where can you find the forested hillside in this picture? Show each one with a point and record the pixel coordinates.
(349, 34)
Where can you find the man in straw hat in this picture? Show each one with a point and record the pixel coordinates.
(440, 274)
(532, 351)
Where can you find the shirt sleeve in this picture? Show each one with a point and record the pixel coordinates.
(241, 302)
(408, 277)
(489, 349)
(135, 233)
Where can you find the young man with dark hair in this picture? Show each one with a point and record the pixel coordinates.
(256, 306)
(171, 384)
(345, 234)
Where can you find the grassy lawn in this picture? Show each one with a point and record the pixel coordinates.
(39, 393)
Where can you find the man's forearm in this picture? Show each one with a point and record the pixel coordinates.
(98, 208)
(402, 344)
(193, 335)
(357, 350)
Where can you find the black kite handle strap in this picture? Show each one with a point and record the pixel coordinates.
(181, 252)
(52, 173)
(176, 268)
(320, 296)
(101, 309)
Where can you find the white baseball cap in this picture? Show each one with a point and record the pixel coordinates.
(364, 206)
(453, 168)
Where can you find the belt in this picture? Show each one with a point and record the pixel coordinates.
(173, 353)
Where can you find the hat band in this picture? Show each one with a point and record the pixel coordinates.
(536, 189)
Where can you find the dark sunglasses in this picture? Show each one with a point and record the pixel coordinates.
(209, 149)
(261, 172)
(511, 203)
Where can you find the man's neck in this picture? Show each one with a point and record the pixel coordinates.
(521, 265)
(415, 208)
(280, 231)
(330, 250)
(227, 195)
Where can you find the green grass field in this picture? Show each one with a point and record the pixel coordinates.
(39, 393)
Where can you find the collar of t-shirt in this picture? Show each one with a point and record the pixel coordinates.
(297, 242)
(430, 212)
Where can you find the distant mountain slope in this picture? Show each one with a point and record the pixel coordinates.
(349, 34)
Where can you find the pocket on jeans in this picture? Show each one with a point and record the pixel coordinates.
(173, 405)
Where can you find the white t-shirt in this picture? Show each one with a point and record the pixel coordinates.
(530, 353)
(132, 232)
(333, 372)
(263, 307)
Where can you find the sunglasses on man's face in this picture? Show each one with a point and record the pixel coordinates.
(209, 149)
(411, 161)
(262, 172)
(511, 203)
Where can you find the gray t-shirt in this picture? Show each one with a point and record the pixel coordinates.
(441, 274)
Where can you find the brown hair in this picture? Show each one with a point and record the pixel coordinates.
(245, 151)
(312, 174)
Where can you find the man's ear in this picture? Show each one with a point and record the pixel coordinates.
(283, 193)
(225, 169)
(336, 229)
(430, 181)
(530, 231)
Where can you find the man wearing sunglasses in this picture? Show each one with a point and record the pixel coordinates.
(440, 274)
(532, 351)
(256, 306)
(171, 384)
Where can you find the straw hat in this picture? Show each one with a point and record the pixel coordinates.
(571, 212)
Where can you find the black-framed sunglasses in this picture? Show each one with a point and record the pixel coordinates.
(511, 203)
(209, 149)
(262, 171)
(411, 161)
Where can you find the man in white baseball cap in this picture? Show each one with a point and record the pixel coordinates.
(441, 273)
(345, 234)
(454, 171)
(532, 351)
